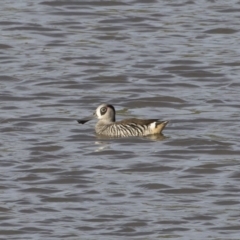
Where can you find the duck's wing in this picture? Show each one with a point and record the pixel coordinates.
(138, 121)
(155, 126)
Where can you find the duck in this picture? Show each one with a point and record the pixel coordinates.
(131, 127)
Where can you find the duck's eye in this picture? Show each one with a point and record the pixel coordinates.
(103, 110)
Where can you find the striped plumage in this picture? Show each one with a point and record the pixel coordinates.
(129, 127)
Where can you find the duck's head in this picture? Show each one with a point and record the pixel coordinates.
(104, 112)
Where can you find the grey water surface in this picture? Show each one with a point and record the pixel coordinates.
(173, 60)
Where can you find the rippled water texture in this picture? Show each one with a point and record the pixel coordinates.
(173, 60)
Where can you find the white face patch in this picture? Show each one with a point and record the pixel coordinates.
(98, 111)
(105, 113)
(153, 125)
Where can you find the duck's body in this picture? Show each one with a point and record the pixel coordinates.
(126, 128)
(130, 127)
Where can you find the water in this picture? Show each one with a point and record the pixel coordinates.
(176, 61)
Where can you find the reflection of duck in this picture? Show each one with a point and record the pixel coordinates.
(125, 128)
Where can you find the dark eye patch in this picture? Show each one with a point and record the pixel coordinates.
(103, 110)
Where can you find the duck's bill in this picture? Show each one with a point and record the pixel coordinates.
(84, 120)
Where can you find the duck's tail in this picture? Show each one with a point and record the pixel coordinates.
(160, 126)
